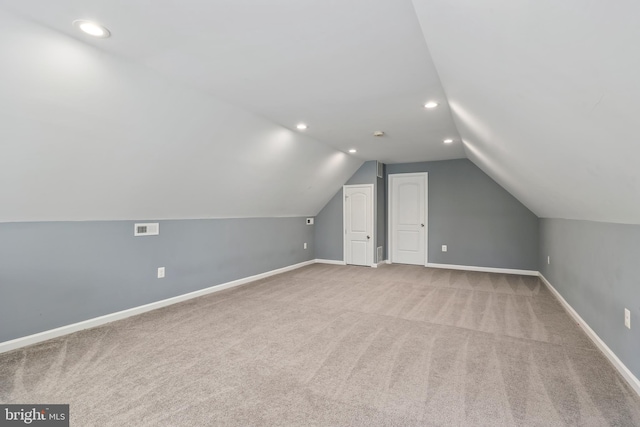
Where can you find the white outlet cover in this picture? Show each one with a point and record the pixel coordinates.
(548, 259)
(160, 272)
(627, 318)
(444, 248)
(305, 246)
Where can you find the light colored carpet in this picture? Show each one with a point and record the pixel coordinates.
(335, 346)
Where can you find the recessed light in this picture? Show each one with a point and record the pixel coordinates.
(448, 141)
(431, 104)
(353, 150)
(301, 126)
(92, 28)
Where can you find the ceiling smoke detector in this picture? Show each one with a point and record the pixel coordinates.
(378, 133)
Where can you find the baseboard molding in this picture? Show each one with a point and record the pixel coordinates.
(483, 269)
(97, 321)
(330, 261)
(617, 363)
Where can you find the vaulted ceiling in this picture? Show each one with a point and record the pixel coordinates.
(188, 95)
(545, 96)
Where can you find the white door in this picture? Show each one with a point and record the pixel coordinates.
(358, 224)
(408, 218)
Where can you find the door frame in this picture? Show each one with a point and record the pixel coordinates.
(390, 213)
(373, 222)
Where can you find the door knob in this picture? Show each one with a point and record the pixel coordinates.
(368, 237)
(421, 225)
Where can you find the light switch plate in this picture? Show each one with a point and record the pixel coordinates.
(627, 318)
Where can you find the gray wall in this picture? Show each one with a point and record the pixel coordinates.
(328, 230)
(328, 238)
(57, 273)
(596, 268)
(381, 214)
(480, 222)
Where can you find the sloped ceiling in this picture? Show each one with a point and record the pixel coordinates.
(347, 68)
(85, 135)
(189, 110)
(545, 96)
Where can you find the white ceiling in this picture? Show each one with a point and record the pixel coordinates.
(542, 95)
(85, 135)
(545, 96)
(346, 68)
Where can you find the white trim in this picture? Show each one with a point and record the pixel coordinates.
(97, 321)
(372, 241)
(617, 363)
(330, 261)
(483, 269)
(426, 213)
(376, 265)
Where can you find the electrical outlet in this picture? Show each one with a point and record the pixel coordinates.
(444, 248)
(548, 259)
(160, 272)
(305, 246)
(627, 318)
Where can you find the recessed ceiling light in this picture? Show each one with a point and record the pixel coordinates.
(301, 126)
(92, 28)
(431, 104)
(353, 150)
(448, 141)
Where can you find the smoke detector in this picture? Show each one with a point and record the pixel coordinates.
(378, 133)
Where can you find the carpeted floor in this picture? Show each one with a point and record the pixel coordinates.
(335, 346)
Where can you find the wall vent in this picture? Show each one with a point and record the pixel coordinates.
(146, 229)
(380, 169)
(379, 255)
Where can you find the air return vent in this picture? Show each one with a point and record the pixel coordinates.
(146, 229)
(380, 169)
(379, 254)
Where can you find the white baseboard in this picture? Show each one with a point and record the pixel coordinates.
(97, 321)
(376, 265)
(617, 363)
(483, 269)
(330, 261)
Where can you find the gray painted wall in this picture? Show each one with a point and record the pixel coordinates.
(480, 222)
(594, 265)
(57, 273)
(381, 214)
(328, 238)
(328, 230)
